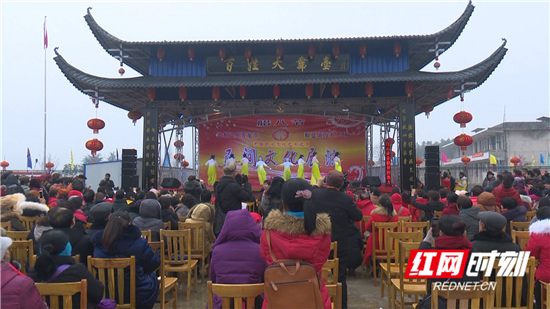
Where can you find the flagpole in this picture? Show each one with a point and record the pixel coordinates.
(45, 50)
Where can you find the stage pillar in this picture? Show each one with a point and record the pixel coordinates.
(150, 148)
(407, 145)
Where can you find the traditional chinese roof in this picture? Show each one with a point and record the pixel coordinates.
(131, 93)
(137, 53)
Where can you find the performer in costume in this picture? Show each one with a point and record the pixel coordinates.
(231, 160)
(287, 173)
(262, 175)
(212, 174)
(315, 171)
(301, 162)
(244, 165)
(337, 162)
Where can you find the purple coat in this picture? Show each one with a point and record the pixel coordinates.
(19, 291)
(236, 255)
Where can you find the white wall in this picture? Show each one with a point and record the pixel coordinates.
(95, 172)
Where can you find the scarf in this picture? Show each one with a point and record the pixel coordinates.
(453, 242)
(298, 214)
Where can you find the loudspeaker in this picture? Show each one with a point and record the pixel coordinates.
(129, 152)
(432, 170)
(129, 165)
(130, 181)
(373, 181)
(170, 183)
(431, 153)
(432, 181)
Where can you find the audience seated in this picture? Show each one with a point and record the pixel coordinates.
(120, 204)
(398, 206)
(539, 246)
(513, 212)
(434, 204)
(167, 212)
(149, 218)
(203, 213)
(100, 216)
(505, 189)
(470, 216)
(10, 211)
(451, 208)
(486, 202)
(383, 213)
(32, 207)
(62, 219)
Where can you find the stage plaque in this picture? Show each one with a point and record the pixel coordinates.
(150, 151)
(407, 146)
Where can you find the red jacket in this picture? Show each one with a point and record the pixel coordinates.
(80, 215)
(294, 243)
(451, 209)
(397, 202)
(18, 290)
(539, 246)
(366, 207)
(474, 200)
(500, 192)
(377, 215)
(52, 202)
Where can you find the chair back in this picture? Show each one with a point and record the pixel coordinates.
(32, 260)
(514, 285)
(182, 219)
(437, 213)
(334, 249)
(167, 226)
(335, 293)
(66, 291)
(235, 292)
(21, 251)
(405, 249)
(111, 273)
(6, 225)
(146, 234)
(17, 235)
(158, 247)
(178, 244)
(545, 294)
(251, 206)
(465, 298)
(521, 238)
(379, 230)
(530, 214)
(330, 268)
(198, 237)
(87, 225)
(519, 226)
(413, 227)
(404, 218)
(28, 222)
(363, 224)
(392, 243)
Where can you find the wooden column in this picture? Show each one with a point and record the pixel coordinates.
(150, 149)
(407, 145)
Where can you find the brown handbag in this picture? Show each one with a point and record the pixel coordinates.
(290, 284)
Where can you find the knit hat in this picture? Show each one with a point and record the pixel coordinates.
(486, 199)
(257, 218)
(492, 220)
(75, 193)
(11, 202)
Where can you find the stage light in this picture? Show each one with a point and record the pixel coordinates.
(190, 120)
(345, 109)
(181, 116)
(380, 111)
(216, 110)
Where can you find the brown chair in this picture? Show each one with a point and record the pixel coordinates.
(404, 218)
(362, 224)
(521, 238)
(514, 286)
(32, 260)
(403, 286)
(17, 235)
(465, 299)
(251, 207)
(111, 273)
(167, 226)
(6, 225)
(166, 284)
(87, 225)
(519, 226)
(379, 230)
(178, 244)
(335, 293)
(198, 245)
(530, 214)
(182, 219)
(437, 213)
(21, 251)
(64, 290)
(413, 227)
(146, 234)
(28, 222)
(331, 265)
(545, 295)
(235, 292)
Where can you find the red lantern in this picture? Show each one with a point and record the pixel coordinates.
(371, 162)
(309, 91)
(183, 93)
(463, 118)
(215, 93)
(4, 164)
(242, 91)
(409, 89)
(335, 90)
(311, 51)
(437, 65)
(134, 115)
(151, 93)
(96, 124)
(450, 93)
(515, 161)
(363, 50)
(465, 160)
(49, 165)
(160, 53)
(279, 51)
(94, 145)
(463, 140)
(419, 161)
(391, 140)
(369, 89)
(427, 109)
(191, 52)
(178, 144)
(221, 53)
(121, 71)
(248, 53)
(185, 164)
(276, 91)
(335, 51)
(179, 157)
(397, 49)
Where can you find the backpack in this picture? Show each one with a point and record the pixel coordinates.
(291, 284)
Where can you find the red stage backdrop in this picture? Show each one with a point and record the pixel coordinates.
(278, 138)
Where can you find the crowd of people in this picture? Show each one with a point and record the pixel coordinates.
(296, 221)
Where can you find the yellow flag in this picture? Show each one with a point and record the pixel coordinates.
(72, 160)
(533, 160)
(493, 160)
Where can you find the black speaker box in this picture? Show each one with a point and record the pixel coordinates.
(432, 181)
(373, 181)
(170, 183)
(431, 153)
(432, 170)
(129, 152)
(129, 165)
(432, 162)
(130, 181)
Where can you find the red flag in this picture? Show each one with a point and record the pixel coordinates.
(45, 34)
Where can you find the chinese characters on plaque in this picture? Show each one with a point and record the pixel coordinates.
(150, 148)
(408, 145)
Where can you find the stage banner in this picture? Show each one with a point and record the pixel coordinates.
(287, 137)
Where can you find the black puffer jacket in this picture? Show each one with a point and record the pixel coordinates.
(429, 208)
(170, 216)
(193, 188)
(485, 242)
(150, 218)
(230, 195)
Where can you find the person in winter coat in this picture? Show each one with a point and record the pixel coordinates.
(12, 185)
(52, 201)
(486, 202)
(490, 236)
(70, 205)
(298, 232)
(462, 183)
(539, 246)
(397, 202)
(56, 256)
(434, 204)
(366, 206)
(193, 187)
(236, 255)
(490, 180)
(120, 204)
(10, 211)
(383, 213)
(451, 208)
(203, 213)
(62, 219)
(469, 215)
(505, 189)
(120, 239)
(272, 197)
(514, 212)
(167, 212)
(229, 196)
(375, 196)
(149, 218)
(100, 215)
(33, 208)
(17, 290)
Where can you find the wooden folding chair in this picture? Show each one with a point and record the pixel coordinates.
(389, 269)
(66, 291)
(32, 260)
(21, 251)
(198, 245)
(111, 273)
(545, 295)
(146, 234)
(437, 213)
(530, 214)
(6, 225)
(335, 293)
(331, 265)
(28, 222)
(251, 207)
(465, 299)
(404, 218)
(403, 286)
(167, 226)
(378, 235)
(514, 286)
(17, 235)
(166, 284)
(235, 292)
(519, 226)
(521, 238)
(413, 227)
(179, 259)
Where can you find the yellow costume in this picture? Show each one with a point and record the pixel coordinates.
(244, 168)
(262, 175)
(461, 184)
(287, 173)
(337, 164)
(212, 174)
(315, 172)
(301, 173)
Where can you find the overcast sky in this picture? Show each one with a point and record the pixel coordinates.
(520, 82)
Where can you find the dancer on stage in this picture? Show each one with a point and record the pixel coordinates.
(337, 162)
(301, 162)
(212, 174)
(244, 165)
(287, 173)
(315, 172)
(262, 175)
(231, 160)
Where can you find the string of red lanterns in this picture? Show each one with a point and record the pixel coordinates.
(94, 145)
(4, 165)
(96, 124)
(135, 116)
